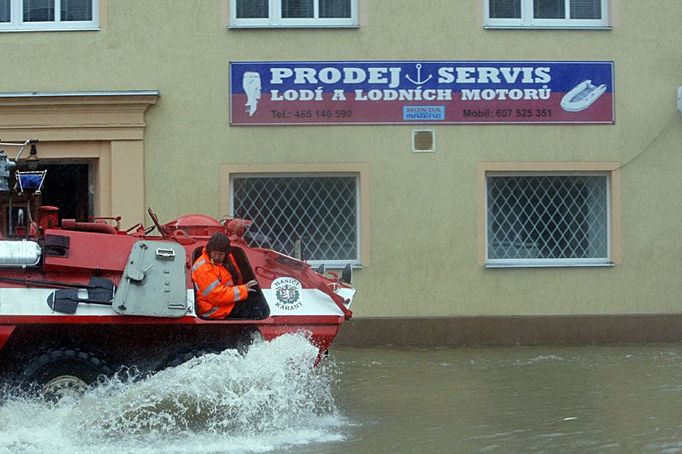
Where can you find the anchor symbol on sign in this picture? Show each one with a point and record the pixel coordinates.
(419, 80)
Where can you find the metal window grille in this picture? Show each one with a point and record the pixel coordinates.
(547, 217)
(319, 214)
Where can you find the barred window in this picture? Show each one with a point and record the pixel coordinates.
(546, 13)
(293, 13)
(547, 219)
(314, 214)
(19, 15)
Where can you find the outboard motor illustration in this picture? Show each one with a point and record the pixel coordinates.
(252, 88)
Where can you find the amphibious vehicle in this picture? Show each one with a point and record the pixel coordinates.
(79, 299)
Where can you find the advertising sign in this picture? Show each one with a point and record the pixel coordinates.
(422, 92)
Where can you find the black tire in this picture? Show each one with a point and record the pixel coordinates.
(181, 358)
(58, 373)
(241, 344)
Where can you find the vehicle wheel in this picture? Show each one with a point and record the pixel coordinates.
(63, 373)
(241, 345)
(182, 358)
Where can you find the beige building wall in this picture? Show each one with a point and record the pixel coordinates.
(103, 129)
(423, 251)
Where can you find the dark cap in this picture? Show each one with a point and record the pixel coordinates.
(218, 242)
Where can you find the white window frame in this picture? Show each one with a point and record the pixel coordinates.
(275, 19)
(528, 21)
(17, 24)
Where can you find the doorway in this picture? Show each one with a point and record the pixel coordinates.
(66, 186)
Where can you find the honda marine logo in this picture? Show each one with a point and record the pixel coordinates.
(288, 293)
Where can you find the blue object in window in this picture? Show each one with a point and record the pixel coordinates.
(31, 181)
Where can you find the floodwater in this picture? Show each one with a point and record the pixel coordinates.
(375, 400)
(511, 400)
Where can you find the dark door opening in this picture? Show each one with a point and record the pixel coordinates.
(66, 186)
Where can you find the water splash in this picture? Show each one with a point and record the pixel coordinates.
(268, 399)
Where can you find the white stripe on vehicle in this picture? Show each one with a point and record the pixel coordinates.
(33, 302)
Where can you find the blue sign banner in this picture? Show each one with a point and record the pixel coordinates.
(398, 92)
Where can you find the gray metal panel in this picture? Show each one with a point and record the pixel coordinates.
(153, 282)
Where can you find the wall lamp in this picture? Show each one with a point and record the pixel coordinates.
(33, 160)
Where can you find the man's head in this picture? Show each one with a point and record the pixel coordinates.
(218, 247)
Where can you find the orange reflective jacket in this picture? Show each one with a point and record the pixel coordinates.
(216, 291)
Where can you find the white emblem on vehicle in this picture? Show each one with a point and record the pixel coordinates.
(288, 293)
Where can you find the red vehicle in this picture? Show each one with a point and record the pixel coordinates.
(79, 299)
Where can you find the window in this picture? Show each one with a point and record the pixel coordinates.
(293, 13)
(27, 15)
(313, 216)
(546, 13)
(547, 219)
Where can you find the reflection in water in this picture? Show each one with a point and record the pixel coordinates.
(375, 400)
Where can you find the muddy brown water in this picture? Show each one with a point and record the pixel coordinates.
(524, 399)
(374, 400)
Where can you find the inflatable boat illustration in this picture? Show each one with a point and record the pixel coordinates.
(582, 96)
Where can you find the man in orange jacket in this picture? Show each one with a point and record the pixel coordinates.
(214, 276)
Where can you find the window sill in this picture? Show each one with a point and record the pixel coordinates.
(549, 265)
(49, 29)
(334, 266)
(548, 27)
(240, 26)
